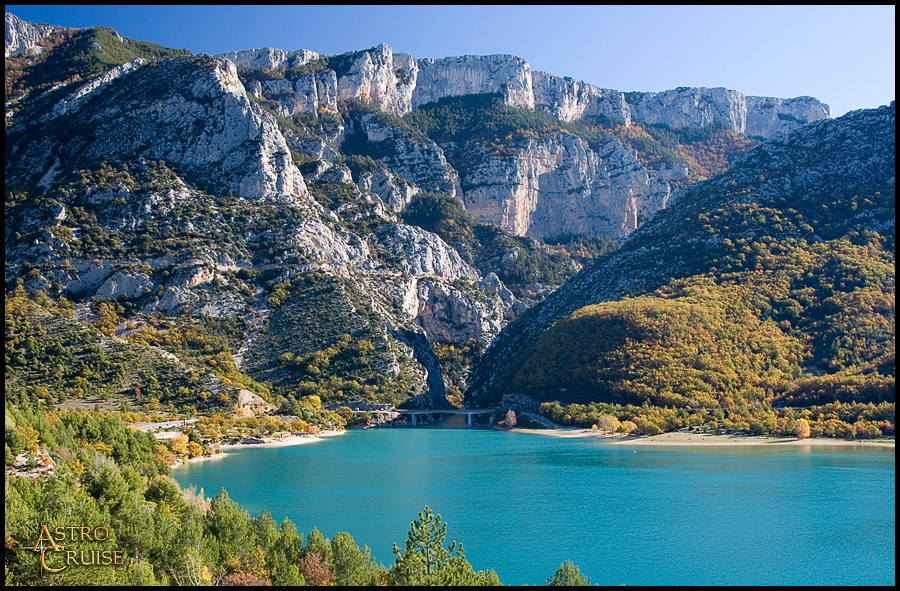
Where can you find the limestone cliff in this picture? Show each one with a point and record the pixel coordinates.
(701, 107)
(397, 83)
(475, 74)
(569, 99)
(559, 185)
(410, 155)
(271, 58)
(23, 37)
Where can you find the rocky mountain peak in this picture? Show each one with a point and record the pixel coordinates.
(192, 112)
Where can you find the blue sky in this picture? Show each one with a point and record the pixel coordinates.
(842, 55)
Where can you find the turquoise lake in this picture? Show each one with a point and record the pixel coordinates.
(522, 504)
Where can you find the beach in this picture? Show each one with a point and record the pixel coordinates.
(283, 441)
(265, 442)
(685, 438)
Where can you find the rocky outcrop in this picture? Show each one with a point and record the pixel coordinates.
(393, 190)
(127, 284)
(190, 112)
(423, 254)
(439, 291)
(332, 172)
(378, 77)
(559, 185)
(319, 242)
(398, 83)
(491, 284)
(475, 74)
(98, 84)
(23, 37)
(83, 278)
(316, 147)
(309, 93)
(381, 78)
(767, 116)
(568, 99)
(194, 287)
(450, 316)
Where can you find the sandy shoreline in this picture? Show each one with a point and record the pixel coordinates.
(681, 438)
(283, 441)
(267, 442)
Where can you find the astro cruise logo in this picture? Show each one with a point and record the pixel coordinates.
(55, 557)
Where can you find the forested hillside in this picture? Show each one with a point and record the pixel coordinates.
(771, 284)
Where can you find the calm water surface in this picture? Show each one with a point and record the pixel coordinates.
(522, 504)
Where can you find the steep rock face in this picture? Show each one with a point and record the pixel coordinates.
(398, 83)
(692, 107)
(393, 190)
(381, 78)
(754, 116)
(309, 93)
(191, 112)
(831, 157)
(569, 99)
(702, 107)
(767, 116)
(475, 74)
(23, 37)
(559, 185)
(450, 316)
(378, 77)
(410, 155)
(441, 292)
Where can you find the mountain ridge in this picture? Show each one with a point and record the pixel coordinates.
(372, 74)
(192, 187)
